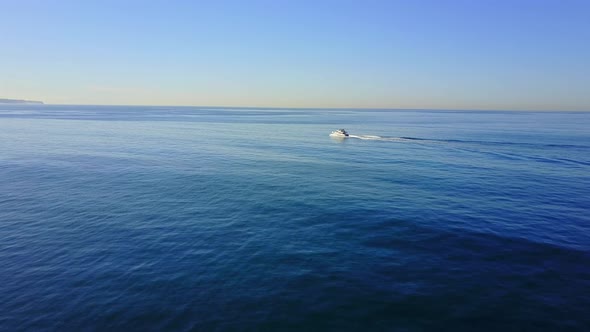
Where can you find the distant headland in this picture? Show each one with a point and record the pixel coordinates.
(19, 101)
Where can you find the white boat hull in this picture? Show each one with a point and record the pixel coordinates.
(339, 133)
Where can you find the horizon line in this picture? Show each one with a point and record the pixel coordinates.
(318, 108)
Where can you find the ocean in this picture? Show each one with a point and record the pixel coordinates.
(118, 218)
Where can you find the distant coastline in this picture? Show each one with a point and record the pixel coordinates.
(19, 101)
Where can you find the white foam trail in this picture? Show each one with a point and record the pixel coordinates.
(378, 138)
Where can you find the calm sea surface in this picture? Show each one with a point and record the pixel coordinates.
(212, 219)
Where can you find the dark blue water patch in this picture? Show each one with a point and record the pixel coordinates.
(366, 273)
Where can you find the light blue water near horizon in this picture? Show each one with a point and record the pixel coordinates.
(188, 218)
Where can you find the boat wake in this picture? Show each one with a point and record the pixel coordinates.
(467, 142)
(384, 138)
(455, 143)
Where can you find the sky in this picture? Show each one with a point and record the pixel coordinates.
(425, 54)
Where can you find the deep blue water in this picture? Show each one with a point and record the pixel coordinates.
(211, 219)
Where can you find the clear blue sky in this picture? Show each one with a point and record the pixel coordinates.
(469, 54)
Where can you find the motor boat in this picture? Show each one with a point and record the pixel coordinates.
(339, 133)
